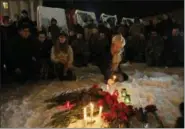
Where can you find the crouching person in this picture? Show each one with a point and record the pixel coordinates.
(62, 57)
(109, 61)
(80, 49)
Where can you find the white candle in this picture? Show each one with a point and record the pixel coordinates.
(92, 110)
(85, 113)
(107, 87)
(85, 116)
(100, 111)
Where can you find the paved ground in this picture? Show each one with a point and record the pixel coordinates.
(23, 106)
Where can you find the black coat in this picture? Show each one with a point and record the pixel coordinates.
(44, 49)
(104, 62)
(20, 51)
(6, 33)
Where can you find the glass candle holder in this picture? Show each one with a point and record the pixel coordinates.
(123, 92)
(127, 99)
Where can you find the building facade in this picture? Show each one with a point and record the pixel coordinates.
(12, 8)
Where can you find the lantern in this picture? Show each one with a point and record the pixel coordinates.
(127, 99)
(123, 92)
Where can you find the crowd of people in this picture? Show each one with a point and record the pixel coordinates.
(28, 53)
(31, 54)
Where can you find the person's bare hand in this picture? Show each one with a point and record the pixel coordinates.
(110, 82)
(114, 67)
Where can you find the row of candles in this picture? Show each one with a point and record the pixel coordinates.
(86, 120)
(124, 94)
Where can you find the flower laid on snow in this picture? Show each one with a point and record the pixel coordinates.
(123, 116)
(116, 93)
(66, 106)
(109, 100)
(107, 116)
(115, 107)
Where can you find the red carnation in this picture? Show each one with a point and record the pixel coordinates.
(95, 86)
(100, 102)
(107, 116)
(116, 93)
(115, 107)
(126, 110)
(122, 106)
(123, 116)
(114, 98)
(108, 100)
(113, 115)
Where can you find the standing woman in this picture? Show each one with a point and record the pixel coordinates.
(62, 57)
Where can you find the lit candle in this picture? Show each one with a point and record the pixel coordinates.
(92, 110)
(108, 87)
(100, 110)
(85, 115)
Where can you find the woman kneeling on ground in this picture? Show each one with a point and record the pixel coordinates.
(62, 57)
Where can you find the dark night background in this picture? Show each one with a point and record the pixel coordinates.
(120, 7)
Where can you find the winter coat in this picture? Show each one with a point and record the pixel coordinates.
(136, 29)
(20, 51)
(79, 46)
(106, 62)
(67, 57)
(154, 51)
(44, 49)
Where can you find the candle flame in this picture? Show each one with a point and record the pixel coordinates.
(92, 110)
(114, 77)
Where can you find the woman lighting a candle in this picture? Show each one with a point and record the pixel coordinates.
(109, 61)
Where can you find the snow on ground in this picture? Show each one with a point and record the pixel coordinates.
(24, 106)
